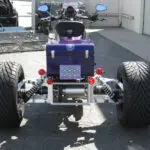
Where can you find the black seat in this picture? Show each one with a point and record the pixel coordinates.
(70, 28)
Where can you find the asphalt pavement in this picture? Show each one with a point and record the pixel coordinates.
(42, 127)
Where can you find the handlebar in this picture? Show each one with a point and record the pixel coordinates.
(93, 17)
(82, 17)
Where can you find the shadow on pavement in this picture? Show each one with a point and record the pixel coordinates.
(41, 132)
(116, 137)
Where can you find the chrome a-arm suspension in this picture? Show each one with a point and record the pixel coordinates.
(109, 87)
(27, 94)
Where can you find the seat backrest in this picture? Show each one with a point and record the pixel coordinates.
(64, 27)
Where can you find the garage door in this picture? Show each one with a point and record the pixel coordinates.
(147, 17)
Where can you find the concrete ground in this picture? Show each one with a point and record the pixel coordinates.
(136, 43)
(97, 130)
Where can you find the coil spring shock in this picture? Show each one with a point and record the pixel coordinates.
(107, 89)
(26, 95)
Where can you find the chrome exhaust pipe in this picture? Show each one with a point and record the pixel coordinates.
(74, 92)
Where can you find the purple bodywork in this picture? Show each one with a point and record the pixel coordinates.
(74, 40)
(76, 52)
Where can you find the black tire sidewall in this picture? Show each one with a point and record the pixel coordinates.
(9, 100)
(135, 77)
(121, 111)
(19, 78)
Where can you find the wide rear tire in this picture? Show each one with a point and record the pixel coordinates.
(134, 110)
(11, 107)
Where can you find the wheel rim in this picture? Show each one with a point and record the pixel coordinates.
(20, 105)
(120, 105)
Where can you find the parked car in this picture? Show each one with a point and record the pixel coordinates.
(8, 14)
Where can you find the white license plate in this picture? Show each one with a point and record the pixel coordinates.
(70, 72)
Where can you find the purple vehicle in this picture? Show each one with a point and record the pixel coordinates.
(71, 79)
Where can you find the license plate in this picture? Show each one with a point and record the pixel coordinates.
(70, 72)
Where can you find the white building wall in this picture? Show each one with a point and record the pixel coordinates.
(112, 5)
(146, 28)
(135, 9)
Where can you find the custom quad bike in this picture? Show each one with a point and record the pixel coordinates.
(71, 79)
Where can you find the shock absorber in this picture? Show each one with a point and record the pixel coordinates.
(26, 95)
(104, 89)
(107, 90)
